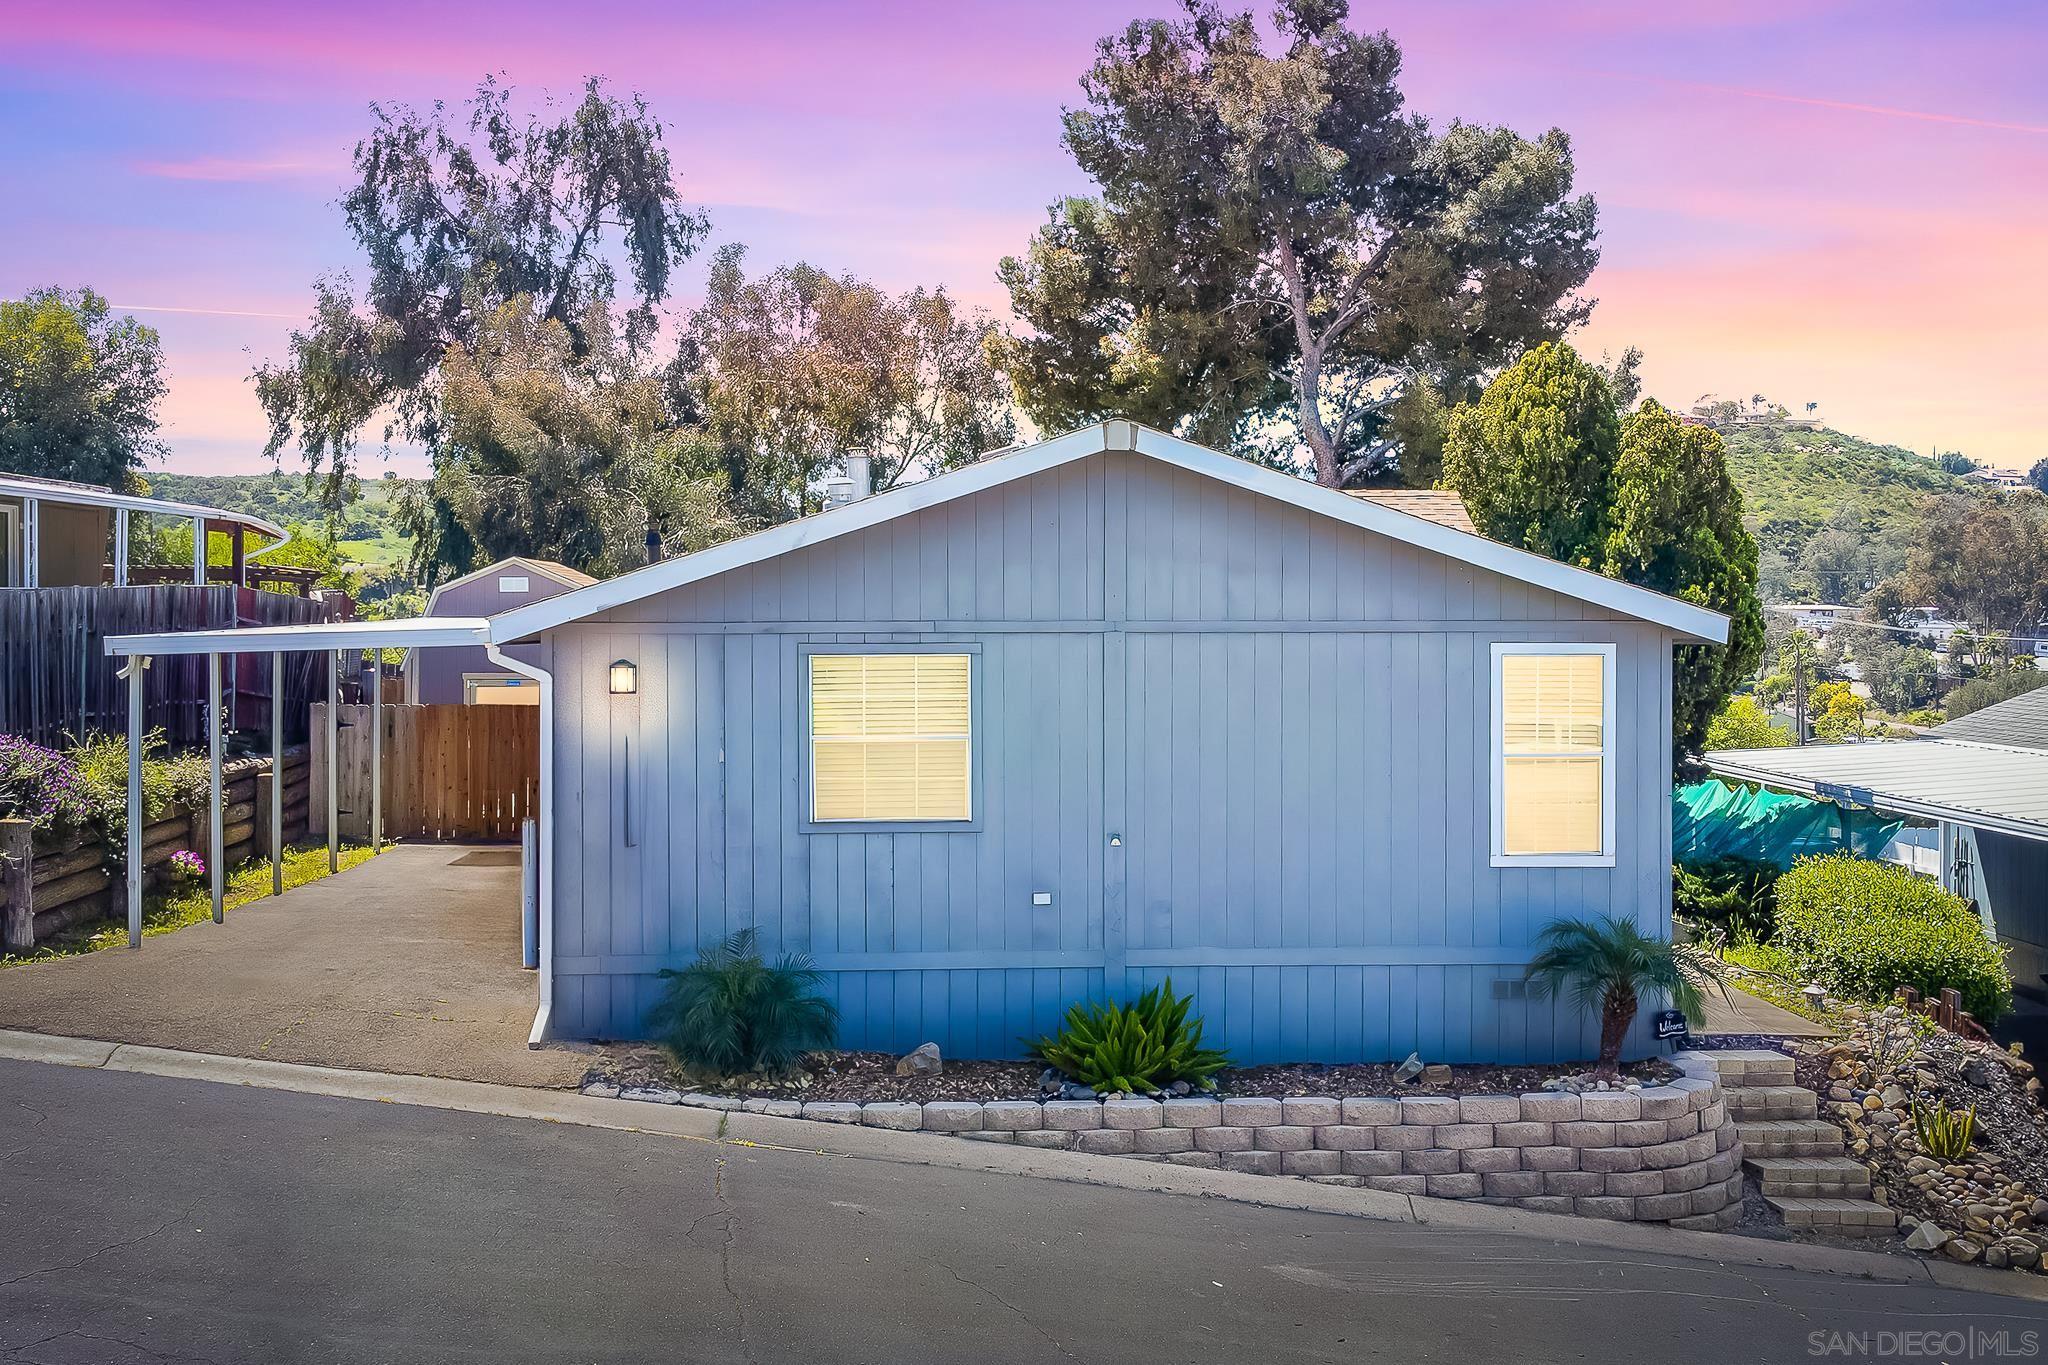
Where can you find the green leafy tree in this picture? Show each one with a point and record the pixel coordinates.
(1743, 724)
(78, 388)
(1534, 458)
(790, 372)
(1984, 562)
(1276, 241)
(1675, 525)
(558, 455)
(1545, 461)
(2037, 476)
(457, 215)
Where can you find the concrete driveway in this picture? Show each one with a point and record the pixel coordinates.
(406, 963)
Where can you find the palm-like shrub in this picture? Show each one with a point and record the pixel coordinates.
(730, 1013)
(1139, 1048)
(1945, 1133)
(1608, 964)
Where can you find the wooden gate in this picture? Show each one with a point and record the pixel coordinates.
(450, 772)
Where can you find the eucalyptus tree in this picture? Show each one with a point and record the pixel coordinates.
(457, 213)
(790, 371)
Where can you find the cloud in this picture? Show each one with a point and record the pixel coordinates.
(1845, 106)
(227, 169)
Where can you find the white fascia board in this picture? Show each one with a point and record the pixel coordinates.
(412, 632)
(1682, 617)
(1522, 565)
(95, 497)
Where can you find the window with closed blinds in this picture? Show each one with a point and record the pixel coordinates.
(1553, 753)
(890, 736)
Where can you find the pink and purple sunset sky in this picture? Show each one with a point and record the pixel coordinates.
(1839, 203)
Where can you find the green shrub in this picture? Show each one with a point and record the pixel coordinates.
(1139, 1048)
(1864, 928)
(730, 1013)
(1735, 894)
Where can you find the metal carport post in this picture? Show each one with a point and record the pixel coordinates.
(328, 637)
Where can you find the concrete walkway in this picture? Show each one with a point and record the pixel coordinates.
(1742, 1014)
(407, 963)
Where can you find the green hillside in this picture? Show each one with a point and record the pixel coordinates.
(365, 531)
(1830, 511)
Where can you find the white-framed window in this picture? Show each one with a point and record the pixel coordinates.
(499, 689)
(891, 737)
(1553, 755)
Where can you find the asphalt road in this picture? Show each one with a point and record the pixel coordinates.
(148, 1219)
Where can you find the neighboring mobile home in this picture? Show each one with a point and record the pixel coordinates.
(467, 674)
(1092, 713)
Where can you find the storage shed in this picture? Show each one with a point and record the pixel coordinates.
(468, 675)
(1095, 712)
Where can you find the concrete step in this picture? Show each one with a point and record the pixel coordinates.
(1810, 1177)
(1752, 1066)
(1842, 1217)
(1772, 1102)
(1789, 1137)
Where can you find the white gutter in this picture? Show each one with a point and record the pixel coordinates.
(546, 680)
(1877, 800)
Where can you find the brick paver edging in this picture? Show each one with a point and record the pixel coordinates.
(1662, 1153)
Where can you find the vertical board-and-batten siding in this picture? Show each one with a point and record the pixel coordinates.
(1284, 717)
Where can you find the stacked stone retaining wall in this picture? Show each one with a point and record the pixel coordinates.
(1662, 1153)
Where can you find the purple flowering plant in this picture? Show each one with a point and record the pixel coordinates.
(41, 786)
(187, 866)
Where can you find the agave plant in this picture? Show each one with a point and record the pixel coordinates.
(1140, 1048)
(730, 1013)
(1608, 965)
(1946, 1133)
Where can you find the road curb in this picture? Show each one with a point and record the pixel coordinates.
(833, 1141)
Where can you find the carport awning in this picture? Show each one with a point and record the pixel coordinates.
(422, 632)
(1988, 786)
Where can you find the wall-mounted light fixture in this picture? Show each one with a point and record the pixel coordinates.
(625, 678)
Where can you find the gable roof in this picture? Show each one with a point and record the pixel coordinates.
(2020, 722)
(1439, 505)
(1011, 465)
(546, 568)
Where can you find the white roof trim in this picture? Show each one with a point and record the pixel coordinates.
(38, 491)
(1009, 466)
(417, 632)
(546, 571)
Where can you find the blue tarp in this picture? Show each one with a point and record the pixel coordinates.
(1711, 820)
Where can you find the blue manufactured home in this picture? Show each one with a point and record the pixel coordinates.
(1094, 712)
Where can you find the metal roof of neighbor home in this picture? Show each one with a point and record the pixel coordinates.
(1990, 786)
(92, 495)
(1439, 505)
(2021, 722)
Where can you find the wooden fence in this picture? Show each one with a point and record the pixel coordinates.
(57, 683)
(50, 883)
(450, 772)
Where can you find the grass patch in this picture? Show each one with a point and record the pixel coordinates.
(164, 912)
(1768, 974)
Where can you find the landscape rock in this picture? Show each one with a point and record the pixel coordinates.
(923, 1060)
(1926, 1237)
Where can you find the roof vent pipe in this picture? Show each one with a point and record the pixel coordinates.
(860, 469)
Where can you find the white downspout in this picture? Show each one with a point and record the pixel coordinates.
(546, 680)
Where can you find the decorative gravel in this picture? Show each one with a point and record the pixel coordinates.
(870, 1076)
